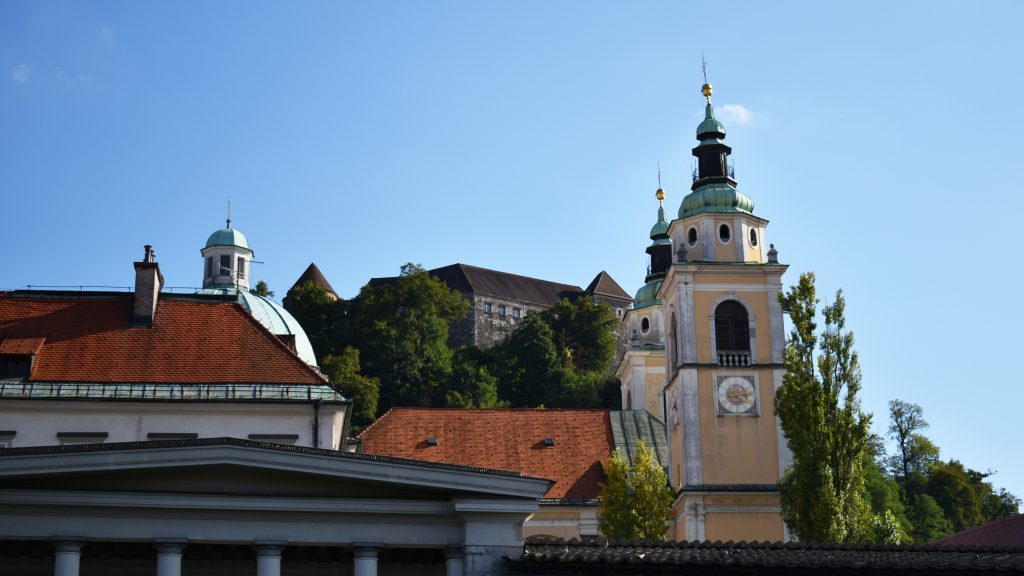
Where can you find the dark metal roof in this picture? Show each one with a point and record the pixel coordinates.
(543, 555)
(631, 426)
(473, 280)
(604, 285)
(313, 274)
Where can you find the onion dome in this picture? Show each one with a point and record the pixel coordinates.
(228, 237)
(713, 189)
(647, 295)
(660, 227)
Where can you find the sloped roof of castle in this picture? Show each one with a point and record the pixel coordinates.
(604, 285)
(313, 274)
(503, 439)
(89, 337)
(471, 279)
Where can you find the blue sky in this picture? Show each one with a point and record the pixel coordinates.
(881, 139)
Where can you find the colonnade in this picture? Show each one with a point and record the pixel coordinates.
(68, 553)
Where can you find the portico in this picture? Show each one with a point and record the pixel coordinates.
(229, 506)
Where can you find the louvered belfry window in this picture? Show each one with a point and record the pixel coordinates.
(732, 330)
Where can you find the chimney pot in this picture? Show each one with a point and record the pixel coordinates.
(148, 283)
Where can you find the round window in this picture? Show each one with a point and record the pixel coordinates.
(724, 234)
(645, 325)
(753, 237)
(691, 236)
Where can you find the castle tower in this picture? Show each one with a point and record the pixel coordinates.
(641, 371)
(723, 356)
(226, 259)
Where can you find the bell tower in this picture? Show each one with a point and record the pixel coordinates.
(723, 356)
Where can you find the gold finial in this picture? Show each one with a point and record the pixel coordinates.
(706, 91)
(660, 195)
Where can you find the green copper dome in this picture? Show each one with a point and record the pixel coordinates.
(647, 295)
(710, 127)
(228, 237)
(716, 197)
(660, 228)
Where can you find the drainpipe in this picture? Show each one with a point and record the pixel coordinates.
(316, 422)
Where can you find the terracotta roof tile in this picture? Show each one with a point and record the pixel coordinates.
(21, 346)
(503, 439)
(91, 339)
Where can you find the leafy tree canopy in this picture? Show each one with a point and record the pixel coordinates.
(636, 500)
(822, 492)
(343, 371)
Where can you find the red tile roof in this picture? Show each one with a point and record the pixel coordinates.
(90, 338)
(503, 439)
(1005, 532)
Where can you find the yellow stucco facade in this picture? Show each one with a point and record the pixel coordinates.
(713, 286)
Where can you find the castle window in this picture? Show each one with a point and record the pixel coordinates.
(724, 233)
(502, 310)
(488, 307)
(645, 325)
(732, 329)
(516, 312)
(691, 236)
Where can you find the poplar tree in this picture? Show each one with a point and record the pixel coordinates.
(636, 500)
(822, 492)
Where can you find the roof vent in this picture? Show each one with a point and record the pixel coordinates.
(432, 441)
(549, 441)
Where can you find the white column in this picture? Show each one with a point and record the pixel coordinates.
(67, 552)
(453, 564)
(365, 559)
(268, 558)
(168, 557)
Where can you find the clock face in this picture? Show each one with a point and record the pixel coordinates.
(736, 395)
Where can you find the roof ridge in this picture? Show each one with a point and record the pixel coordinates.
(462, 265)
(292, 354)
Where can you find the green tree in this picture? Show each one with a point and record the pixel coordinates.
(532, 372)
(262, 289)
(343, 371)
(914, 452)
(471, 384)
(584, 333)
(822, 492)
(402, 330)
(636, 500)
(928, 519)
(322, 317)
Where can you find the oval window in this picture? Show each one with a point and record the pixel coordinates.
(691, 236)
(724, 233)
(753, 237)
(645, 325)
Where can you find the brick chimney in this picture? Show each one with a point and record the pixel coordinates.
(148, 282)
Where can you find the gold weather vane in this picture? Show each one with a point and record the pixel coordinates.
(706, 88)
(660, 194)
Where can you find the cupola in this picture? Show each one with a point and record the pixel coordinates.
(660, 250)
(714, 184)
(226, 259)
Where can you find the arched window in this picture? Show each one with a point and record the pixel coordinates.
(732, 331)
(645, 325)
